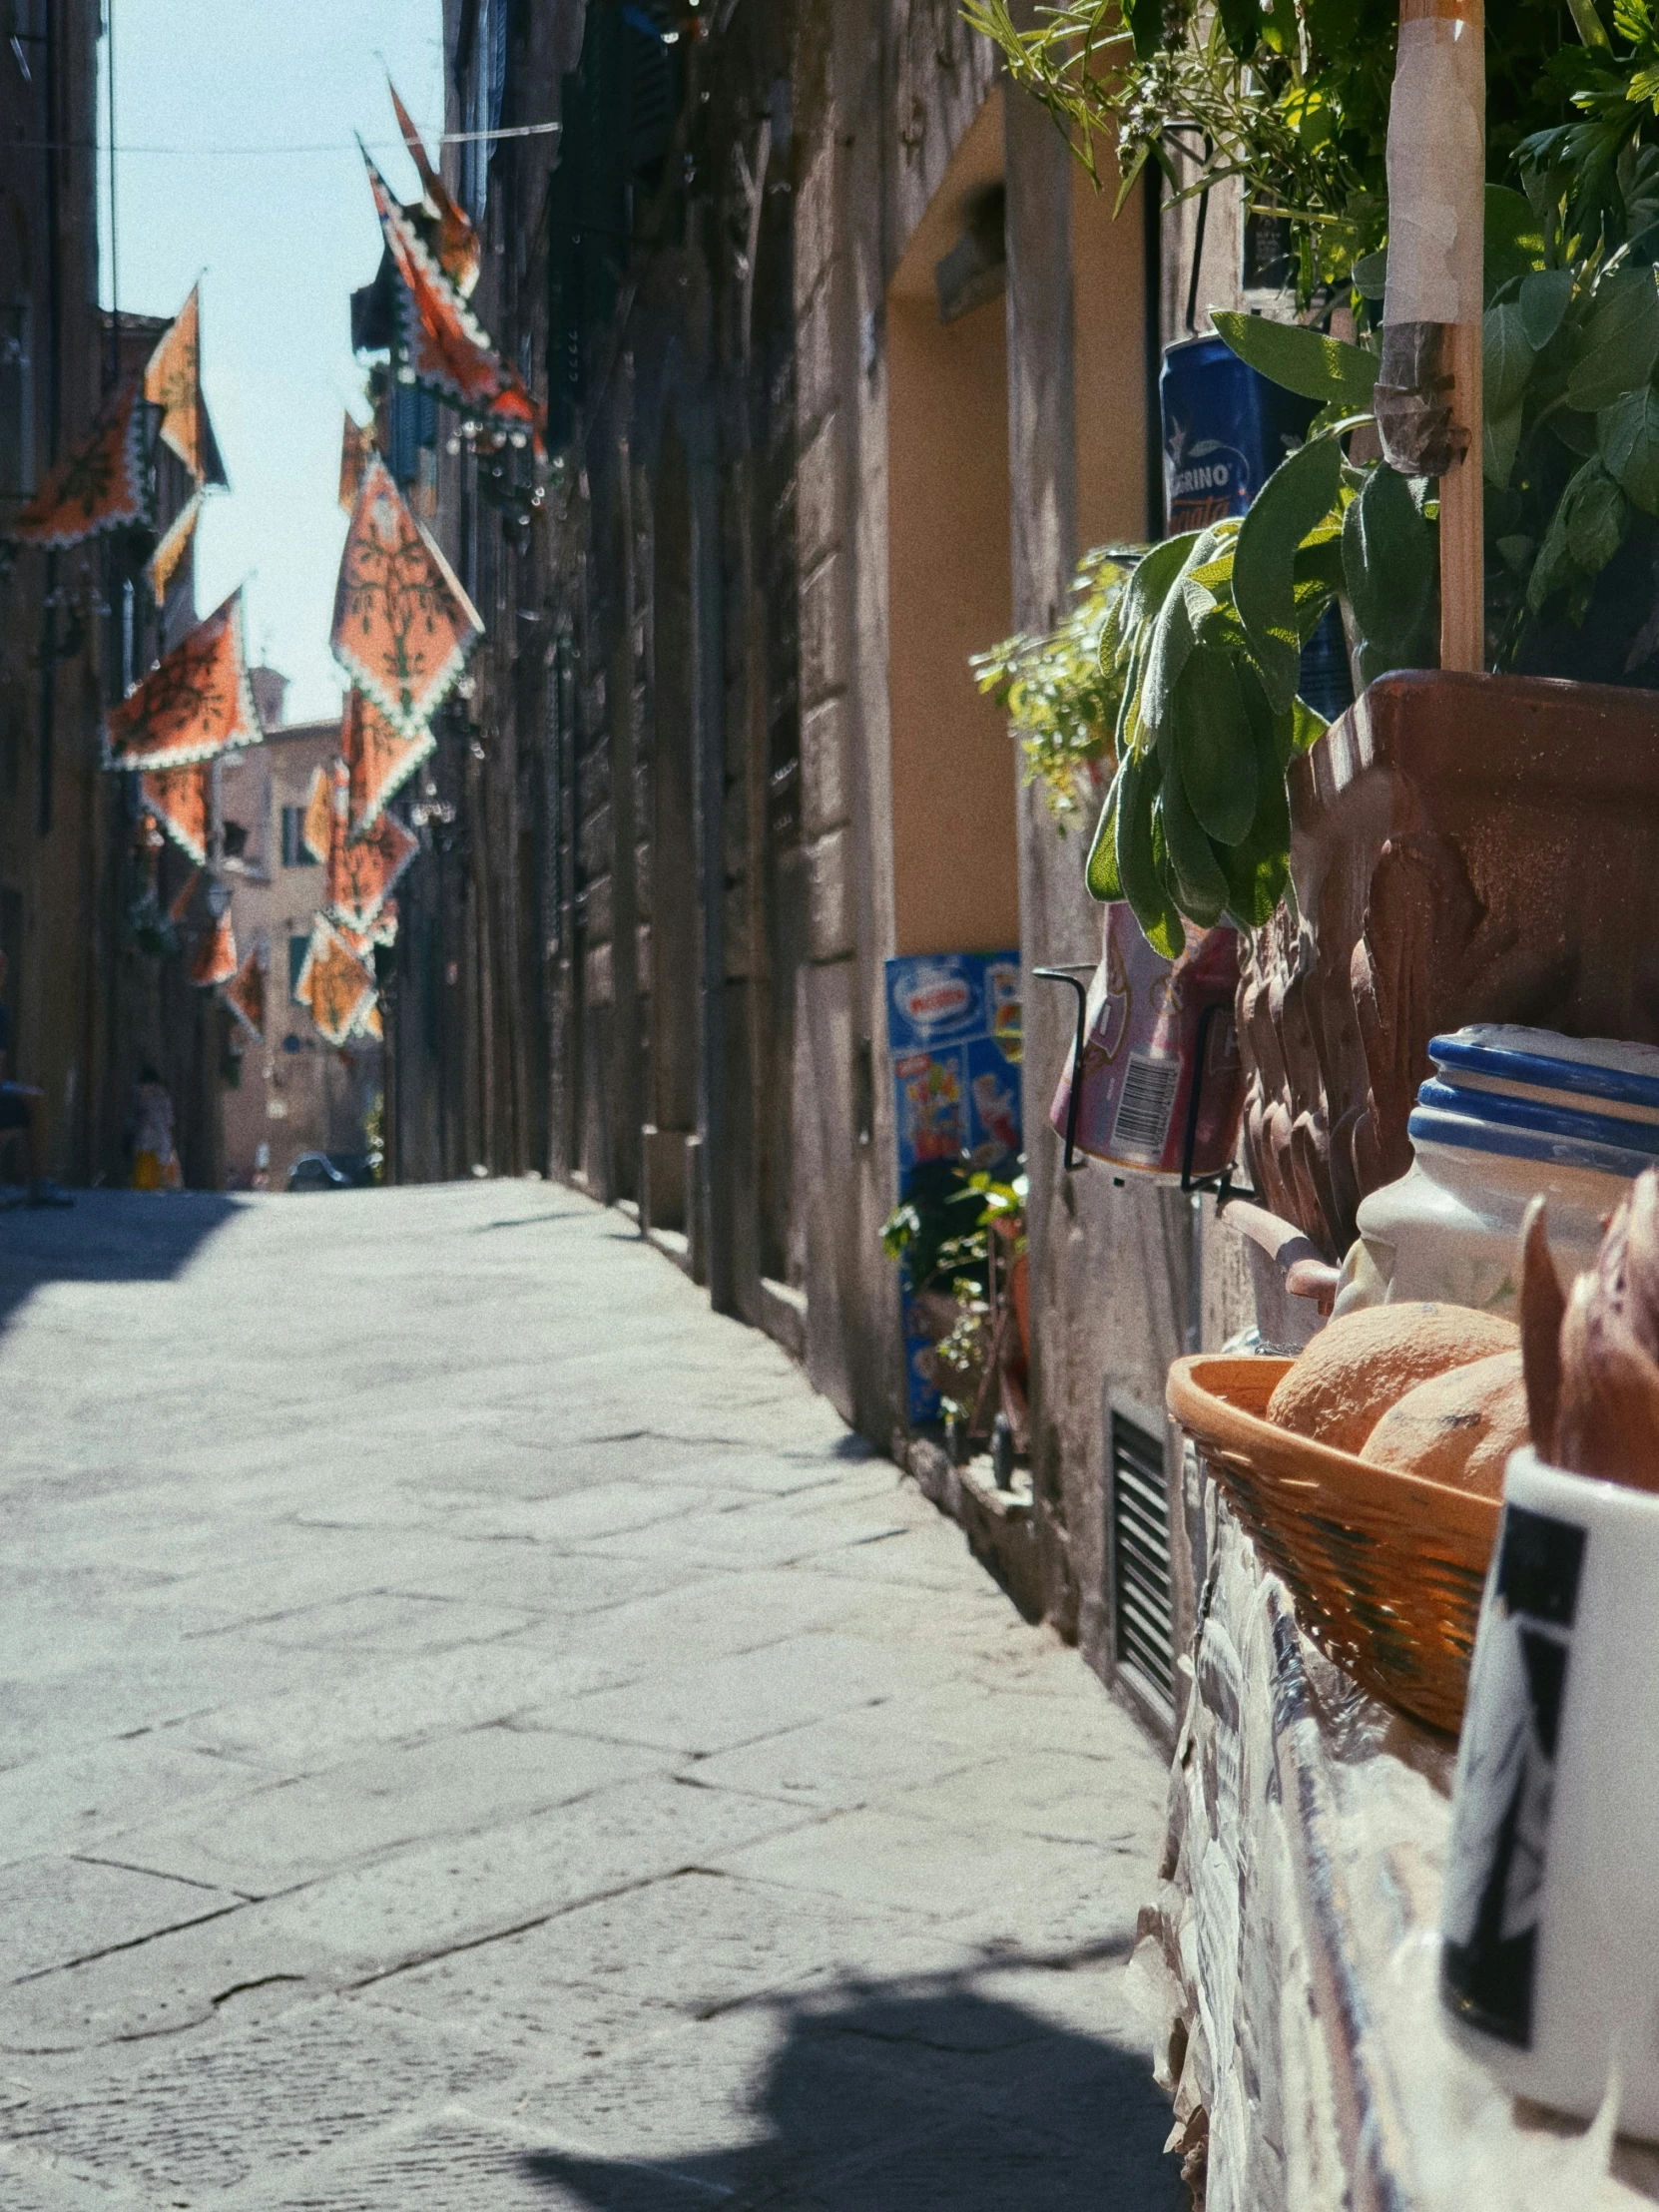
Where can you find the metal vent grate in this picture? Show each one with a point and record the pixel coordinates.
(1143, 1604)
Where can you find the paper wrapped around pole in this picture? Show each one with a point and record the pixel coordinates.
(1436, 173)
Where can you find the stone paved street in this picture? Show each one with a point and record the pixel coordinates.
(477, 1734)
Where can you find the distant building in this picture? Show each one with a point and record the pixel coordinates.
(294, 1092)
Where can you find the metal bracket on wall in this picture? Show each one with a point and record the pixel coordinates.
(1071, 973)
(1220, 1183)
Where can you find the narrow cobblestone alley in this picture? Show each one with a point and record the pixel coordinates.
(478, 1733)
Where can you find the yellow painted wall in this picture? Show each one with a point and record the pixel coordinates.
(955, 853)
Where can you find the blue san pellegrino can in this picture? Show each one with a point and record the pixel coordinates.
(1226, 429)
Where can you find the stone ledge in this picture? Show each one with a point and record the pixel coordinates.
(783, 1316)
(672, 1246)
(1000, 1525)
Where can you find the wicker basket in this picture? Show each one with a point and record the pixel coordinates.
(1386, 1569)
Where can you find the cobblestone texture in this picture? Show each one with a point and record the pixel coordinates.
(477, 1733)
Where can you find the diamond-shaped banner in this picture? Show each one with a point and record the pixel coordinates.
(445, 348)
(177, 799)
(362, 872)
(245, 995)
(453, 239)
(403, 627)
(101, 483)
(172, 383)
(335, 982)
(215, 958)
(378, 758)
(196, 703)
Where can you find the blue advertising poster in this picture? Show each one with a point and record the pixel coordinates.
(953, 1034)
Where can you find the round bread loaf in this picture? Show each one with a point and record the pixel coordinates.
(1363, 1362)
(1458, 1427)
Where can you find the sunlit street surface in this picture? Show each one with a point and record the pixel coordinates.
(478, 1732)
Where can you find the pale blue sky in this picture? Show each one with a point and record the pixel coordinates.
(283, 236)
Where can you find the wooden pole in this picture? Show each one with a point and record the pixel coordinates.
(1463, 569)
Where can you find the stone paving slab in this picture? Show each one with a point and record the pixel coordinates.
(516, 1749)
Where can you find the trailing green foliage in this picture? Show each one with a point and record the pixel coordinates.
(940, 1228)
(1060, 690)
(1205, 643)
(1289, 96)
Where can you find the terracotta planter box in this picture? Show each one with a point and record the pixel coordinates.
(1462, 849)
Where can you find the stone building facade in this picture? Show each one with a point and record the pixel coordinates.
(846, 364)
(57, 896)
(89, 1005)
(291, 1090)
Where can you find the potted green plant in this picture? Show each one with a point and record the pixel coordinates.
(1457, 846)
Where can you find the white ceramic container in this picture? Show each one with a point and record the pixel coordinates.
(1550, 1918)
(1507, 1114)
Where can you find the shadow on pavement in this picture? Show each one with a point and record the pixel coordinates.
(914, 2097)
(106, 1237)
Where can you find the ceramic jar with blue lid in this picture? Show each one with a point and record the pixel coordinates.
(1507, 1113)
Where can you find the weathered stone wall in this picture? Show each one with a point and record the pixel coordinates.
(62, 827)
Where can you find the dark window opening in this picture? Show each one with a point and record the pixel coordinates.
(295, 852)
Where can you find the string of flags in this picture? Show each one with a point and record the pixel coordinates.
(403, 631)
(106, 480)
(403, 627)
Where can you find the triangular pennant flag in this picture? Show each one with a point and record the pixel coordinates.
(178, 798)
(316, 823)
(100, 484)
(195, 703)
(355, 445)
(245, 995)
(335, 982)
(163, 564)
(215, 958)
(378, 758)
(454, 241)
(172, 383)
(403, 627)
(446, 349)
(363, 872)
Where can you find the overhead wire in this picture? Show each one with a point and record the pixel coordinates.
(317, 146)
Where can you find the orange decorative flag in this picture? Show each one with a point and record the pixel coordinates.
(403, 627)
(178, 798)
(316, 823)
(245, 995)
(454, 241)
(197, 702)
(215, 958)
(335, 983)
(363, 872)
(163, 564)
(355, 445)
(100, 484)
(382, 931)
(380, 759)
(172, 383)
(446, 348)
